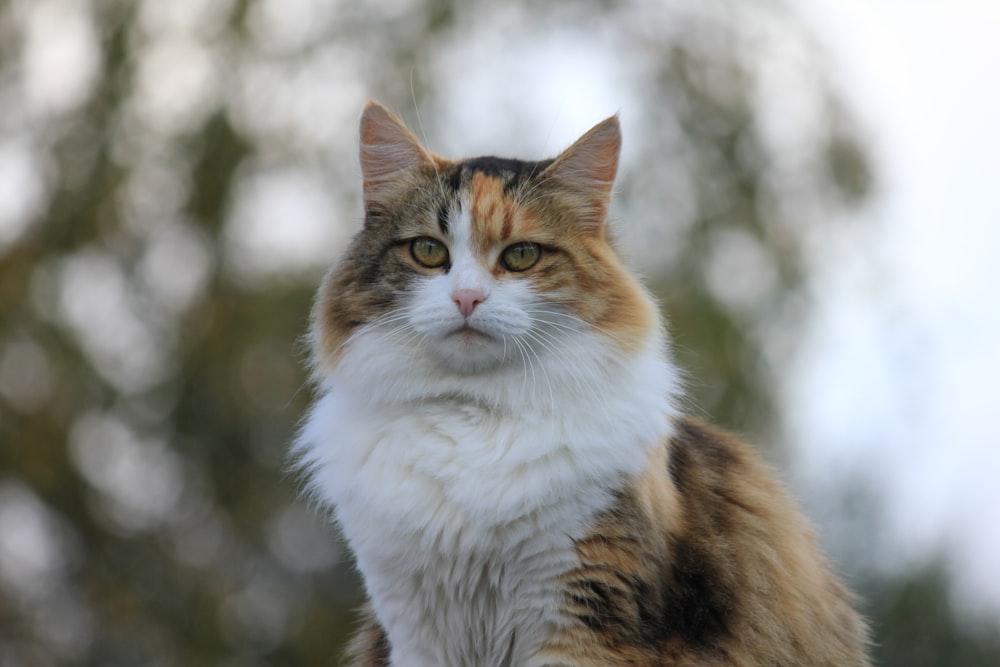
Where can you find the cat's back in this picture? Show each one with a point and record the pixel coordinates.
(705, 560)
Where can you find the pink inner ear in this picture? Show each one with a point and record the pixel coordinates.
(387, 146)
(589, 166)
(594, 157)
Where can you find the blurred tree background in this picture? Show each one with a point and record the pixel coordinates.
(175, 176)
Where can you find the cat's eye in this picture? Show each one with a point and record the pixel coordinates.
(521, 256)
(429, 252)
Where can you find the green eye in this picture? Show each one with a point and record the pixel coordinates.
(429, 252)
(521, 256)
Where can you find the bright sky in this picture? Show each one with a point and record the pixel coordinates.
(904, 353)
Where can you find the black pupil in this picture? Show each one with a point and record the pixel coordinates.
(521, 254)
(428, 251)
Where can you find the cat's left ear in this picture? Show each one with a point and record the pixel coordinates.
(587, 169)
(388, 149)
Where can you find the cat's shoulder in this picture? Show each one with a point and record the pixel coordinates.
(703, 458)
(369, 647)
(713, 563)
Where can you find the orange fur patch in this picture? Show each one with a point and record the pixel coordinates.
(493, 213)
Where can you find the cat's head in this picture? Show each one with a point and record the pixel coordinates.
(482, 266)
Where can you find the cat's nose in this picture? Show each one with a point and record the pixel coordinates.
(467, 300)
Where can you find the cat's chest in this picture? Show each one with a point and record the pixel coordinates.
(444, 470)
(462, 522)
(463, 519)
(474, 596)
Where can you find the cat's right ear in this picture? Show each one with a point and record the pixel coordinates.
(587, 170)
(388, 149)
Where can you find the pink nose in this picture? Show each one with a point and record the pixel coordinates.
(467, 300)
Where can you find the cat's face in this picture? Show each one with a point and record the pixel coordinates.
(476, 290)
(481, 264)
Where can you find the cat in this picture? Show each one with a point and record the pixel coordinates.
(497, 433)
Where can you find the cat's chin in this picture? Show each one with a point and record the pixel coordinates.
(468, 351)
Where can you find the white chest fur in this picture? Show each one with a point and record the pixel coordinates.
(462, 516)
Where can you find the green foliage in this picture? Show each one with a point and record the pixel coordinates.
(917, 626)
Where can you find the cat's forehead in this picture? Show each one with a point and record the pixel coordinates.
(488, 194)
(511, 174)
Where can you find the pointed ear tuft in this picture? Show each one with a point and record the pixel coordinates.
(588, 168)
(387, 147)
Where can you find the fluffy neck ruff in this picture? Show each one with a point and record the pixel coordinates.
(461, 495)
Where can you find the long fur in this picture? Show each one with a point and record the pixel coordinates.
(517, 484)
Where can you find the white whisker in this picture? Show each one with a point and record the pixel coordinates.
(551, 345)
(375, 325)
(562, 315)
(528, 366)
(524, 196)
(545, 375)
(423, 136)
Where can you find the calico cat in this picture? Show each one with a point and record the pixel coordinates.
(497, 432)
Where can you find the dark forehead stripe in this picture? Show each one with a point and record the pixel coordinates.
(513, 173)
(504, 168)
(443, 217)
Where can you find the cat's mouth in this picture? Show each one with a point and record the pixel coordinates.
(467, 348)
(469, 334)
